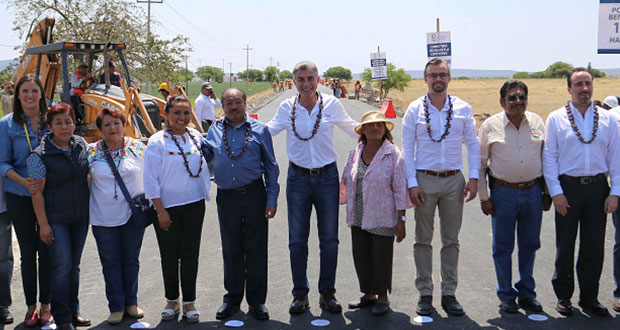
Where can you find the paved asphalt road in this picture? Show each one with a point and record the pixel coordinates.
(476, 290)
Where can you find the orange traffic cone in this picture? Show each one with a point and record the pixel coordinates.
(388, 109)
(254, 115)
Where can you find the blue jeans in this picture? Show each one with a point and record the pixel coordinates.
(6, 260)
(66, 251)
(302, 191)
(617, 254)
(119, 249)
(521, 209)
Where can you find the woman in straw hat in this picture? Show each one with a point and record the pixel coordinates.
(374, 187)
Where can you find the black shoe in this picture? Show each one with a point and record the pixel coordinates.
(329, 302)
(259, 312)
(564, 307)
(531, 304)
(363, 302)
(509, 306)
(380, 308)
(299, 305)
(593, 307)
(5, 315)
(80, 321)
(451, 306)
(65, 326)
(226, 310)
(425, 305)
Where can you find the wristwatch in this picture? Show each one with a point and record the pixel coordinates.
(402, 218)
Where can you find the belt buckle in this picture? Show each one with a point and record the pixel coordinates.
(314, 171)
(522, 185)
(585, 180)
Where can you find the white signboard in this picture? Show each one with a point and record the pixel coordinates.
(378, 66)
(609, 27)
(438, 45)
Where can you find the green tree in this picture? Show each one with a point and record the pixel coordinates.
(397, 79)
(521, 75)
(596, 73)
(558, 70)
(7, 73)
(182, 74)
(338, 72)
(271, 73)
(286, 74)
(538, 75)
(255, 75)
(210, 73)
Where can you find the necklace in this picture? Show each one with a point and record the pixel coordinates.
(245, 140)
(117, 164)
(571, 119)
(185, 162)
(318, 117)
(427, 116)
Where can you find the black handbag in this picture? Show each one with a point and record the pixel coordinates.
(139, 205)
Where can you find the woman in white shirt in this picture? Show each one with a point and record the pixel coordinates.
(118, 239)
(176, 179)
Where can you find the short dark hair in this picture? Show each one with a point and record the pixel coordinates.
(577, 69)
(109, 112)
(510, 84)
(60, 109)
(436, 61)
(305, 65)
(243, 95)
(174, 99)
(386, 136)
(18, 112)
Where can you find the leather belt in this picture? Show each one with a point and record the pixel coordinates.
(520, 185)
(583, 179)
(243, 190)
(312, 171)
(440, 174)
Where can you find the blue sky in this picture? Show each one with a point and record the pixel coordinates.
(520, 35)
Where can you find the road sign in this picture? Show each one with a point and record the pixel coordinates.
(439, 45)
(609, 27)
(378, 66)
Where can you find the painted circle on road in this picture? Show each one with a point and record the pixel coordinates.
(320, 323)
(234, 324)
(49, 327)
(140, 325)
(423, 319)
(538, 317)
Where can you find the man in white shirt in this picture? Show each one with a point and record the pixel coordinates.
(309, 119)
(205, 105)
(434, 129)
(581, 147)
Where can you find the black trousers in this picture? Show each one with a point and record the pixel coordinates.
(586, 215)
(243, 229)
(372, 255)
(181, 242)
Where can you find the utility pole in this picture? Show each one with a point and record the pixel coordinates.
(186, 78)
(223, 70)
(278, 66)
(247, 70)
(148, 39)
(380, 82)
(231, 75)
(270, 59)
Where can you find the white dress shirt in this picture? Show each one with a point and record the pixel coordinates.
(165, 176)
(421, 153)
(318, 151)
(205, 107)
(565, 154)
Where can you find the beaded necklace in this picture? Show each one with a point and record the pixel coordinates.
(318, 117)
(185, 162)
(246, 138)
(428, 119)
(571, 119)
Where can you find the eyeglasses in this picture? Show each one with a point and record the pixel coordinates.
(442, 75)
(522, 97)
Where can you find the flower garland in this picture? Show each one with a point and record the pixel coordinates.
(318, 117)
(185, 162)
(571, 119)
(246, 138)
(428, 120)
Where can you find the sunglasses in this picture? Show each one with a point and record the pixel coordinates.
(521, 97)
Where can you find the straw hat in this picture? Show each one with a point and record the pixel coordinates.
(373, 116)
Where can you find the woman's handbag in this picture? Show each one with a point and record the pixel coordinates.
(139, 205)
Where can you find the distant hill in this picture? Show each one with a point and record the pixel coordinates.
(473, 73)
(4, 64)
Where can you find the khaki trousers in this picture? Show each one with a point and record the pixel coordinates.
(446, 194)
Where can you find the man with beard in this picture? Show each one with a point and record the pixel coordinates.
(242, 150)
(511, 144)
(434, 129)
(581, 147)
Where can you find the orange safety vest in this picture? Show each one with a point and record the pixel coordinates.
(357, 87)
(84, 83)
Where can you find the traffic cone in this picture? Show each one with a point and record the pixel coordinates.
(254, 115)
(388, 109)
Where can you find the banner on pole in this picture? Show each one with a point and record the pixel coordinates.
(609, 27)
(439, 45)
(378, 66)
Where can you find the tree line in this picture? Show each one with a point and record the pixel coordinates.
(556, 70)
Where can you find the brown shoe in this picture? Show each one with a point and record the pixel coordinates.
(299, 305)
(134, 311)
(80, 321)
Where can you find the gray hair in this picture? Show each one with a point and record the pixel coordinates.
(305, 65)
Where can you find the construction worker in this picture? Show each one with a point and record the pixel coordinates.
(358, 87)
(80, 80)
(163, 89)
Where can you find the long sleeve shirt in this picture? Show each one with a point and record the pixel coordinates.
(565, 154)
(205, 107)
(512, 154)
(318, 151)
(258, 159)
(421, 153)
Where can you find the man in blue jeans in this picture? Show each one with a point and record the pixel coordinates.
(511, 145)
(309, 119)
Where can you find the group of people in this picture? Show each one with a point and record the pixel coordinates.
(338, 88)
(526, 165)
